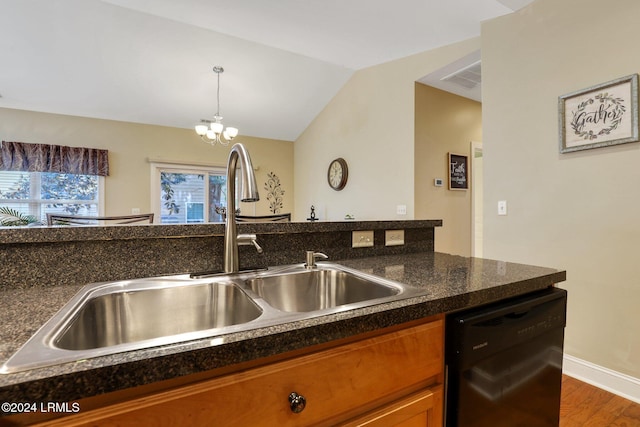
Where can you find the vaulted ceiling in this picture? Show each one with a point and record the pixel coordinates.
(150, 61)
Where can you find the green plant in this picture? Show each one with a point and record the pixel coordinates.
(12, 217)
(167, 181)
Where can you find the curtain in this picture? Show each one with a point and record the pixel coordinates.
(20, 156)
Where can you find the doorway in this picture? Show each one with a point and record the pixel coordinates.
(476, 199)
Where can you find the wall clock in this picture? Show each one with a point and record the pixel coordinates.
(337, 174)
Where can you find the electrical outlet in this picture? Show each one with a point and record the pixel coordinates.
(135, 211)
(394, 237)
(362, 239)
(401, 209)
(501, 267)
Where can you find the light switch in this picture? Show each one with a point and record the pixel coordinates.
(502, 207)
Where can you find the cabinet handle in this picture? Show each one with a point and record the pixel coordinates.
(297, 402)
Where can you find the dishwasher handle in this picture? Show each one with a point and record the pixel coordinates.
(517, 314)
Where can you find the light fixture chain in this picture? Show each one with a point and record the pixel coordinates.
(218, 93)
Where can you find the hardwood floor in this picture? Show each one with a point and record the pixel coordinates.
(587, 406)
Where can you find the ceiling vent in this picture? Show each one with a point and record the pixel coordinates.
(468, 77)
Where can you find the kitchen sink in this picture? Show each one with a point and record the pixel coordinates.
(164, 310)
(114, 317)
(318, 289)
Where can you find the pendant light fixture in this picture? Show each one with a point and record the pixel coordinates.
(213, 131)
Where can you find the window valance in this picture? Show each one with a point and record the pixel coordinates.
(21, 156)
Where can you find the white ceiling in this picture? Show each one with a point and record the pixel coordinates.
(150, 61)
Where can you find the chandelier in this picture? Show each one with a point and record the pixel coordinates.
(213, 131)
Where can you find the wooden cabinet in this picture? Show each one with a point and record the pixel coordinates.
(390, 379)
(418, 410)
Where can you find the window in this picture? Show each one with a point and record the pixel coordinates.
(188, 194)
(39, 193)
(36, 179)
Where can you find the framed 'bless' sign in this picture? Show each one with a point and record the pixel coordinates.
(599, 116)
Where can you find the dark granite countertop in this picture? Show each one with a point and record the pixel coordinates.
(448, 283)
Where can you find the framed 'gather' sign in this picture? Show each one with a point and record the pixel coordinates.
(599, 116)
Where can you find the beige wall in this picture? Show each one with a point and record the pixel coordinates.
(577, 211)
(444, 123)
(370, 123)
(130, 146)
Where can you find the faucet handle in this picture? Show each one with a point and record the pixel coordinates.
(311, 258)
(249, 239)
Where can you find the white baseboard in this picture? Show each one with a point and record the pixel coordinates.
(604, 378)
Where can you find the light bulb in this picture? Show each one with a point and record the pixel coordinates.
(231, 133)
(217, 128)
(202, 129)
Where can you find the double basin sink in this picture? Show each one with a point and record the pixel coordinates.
(113, 317)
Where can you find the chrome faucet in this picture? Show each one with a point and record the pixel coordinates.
(249, 194)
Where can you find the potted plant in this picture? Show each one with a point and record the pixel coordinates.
(11, 218)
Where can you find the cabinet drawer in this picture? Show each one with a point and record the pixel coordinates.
(423, 409)
(335, 382)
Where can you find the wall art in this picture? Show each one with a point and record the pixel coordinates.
(274, 192)
(599, 116)
(458, 172)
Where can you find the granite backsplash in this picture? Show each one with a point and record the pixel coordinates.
(53, 256)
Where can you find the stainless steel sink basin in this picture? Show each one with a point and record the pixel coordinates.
(114, 317)
(317, 289)
(124, 317)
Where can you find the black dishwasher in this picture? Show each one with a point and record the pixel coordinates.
(504, 362)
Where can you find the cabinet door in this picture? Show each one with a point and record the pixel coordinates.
(422, 409)
(338, 384)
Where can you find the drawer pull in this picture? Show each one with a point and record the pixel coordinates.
(297, 402)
